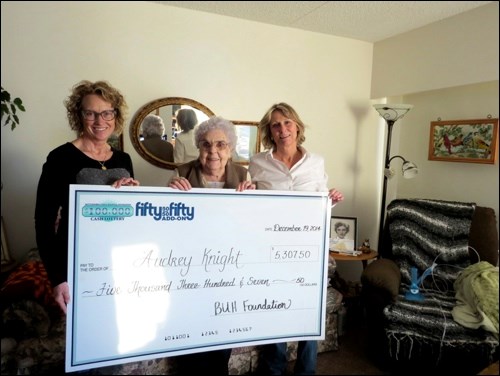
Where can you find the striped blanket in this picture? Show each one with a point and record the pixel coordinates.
(432, 233)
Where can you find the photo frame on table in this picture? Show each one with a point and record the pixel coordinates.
(349, 243)
(470, 141)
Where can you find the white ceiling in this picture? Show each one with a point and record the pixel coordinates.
(369, 21)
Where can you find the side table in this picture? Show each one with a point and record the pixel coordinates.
(352, 300)
(364, 257)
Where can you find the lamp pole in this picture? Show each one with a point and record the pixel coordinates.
(390, 123)
(391, 113)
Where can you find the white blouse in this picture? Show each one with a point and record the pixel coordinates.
(308, 174)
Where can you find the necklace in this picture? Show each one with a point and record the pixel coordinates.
(97, 155)
(102, 165)
(103, 161)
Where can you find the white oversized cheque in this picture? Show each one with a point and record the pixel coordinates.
(157, 272)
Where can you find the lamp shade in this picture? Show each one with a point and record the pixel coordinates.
(392, 112)
(410, 170)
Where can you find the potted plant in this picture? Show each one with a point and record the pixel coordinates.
(9, 116)
(10, 108)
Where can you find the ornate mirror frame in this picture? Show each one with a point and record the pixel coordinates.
(135, 125)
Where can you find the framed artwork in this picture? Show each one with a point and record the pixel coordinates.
(5, 247)
(343, 234)
(116, 141)
(248, 141)
(471, 141)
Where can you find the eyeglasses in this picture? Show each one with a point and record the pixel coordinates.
(92, 115)
(219, 145)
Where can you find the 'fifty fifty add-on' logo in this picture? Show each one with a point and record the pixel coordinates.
(176, 211)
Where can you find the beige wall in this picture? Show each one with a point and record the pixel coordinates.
(237, 69)
(457, 51)
(469, 182)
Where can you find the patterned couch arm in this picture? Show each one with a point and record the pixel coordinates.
(32, 325)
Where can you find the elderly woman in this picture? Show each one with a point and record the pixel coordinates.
(216, 139)
(153, 130)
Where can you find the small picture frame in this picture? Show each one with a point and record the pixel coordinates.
(116, 141)
(470, 141)
(248, 143)
(343, 234)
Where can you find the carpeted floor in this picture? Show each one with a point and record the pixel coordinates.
(352, 358)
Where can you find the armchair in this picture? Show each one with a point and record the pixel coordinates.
(418, 335)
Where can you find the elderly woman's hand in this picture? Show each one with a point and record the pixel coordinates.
(181, 183)
(125, 181)
(244, 185)
(335, 195)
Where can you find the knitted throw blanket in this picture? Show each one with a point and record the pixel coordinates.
(423, 233)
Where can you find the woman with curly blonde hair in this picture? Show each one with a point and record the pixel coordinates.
(96, 111)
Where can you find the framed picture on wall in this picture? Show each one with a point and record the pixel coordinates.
(470, 141)
(116, 142)
(248, 141)
(343, 234)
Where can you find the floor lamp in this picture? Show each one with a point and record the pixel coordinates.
(392, 113)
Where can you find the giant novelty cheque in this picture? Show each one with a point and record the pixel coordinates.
(157, 272)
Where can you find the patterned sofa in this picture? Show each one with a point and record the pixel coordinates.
(33, 331)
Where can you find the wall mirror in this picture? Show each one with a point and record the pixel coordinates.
(167, 108)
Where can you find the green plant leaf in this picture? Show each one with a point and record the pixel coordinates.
(10, 108)
(5, 96)
(19, 103)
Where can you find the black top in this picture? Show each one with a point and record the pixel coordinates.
(67, 165)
